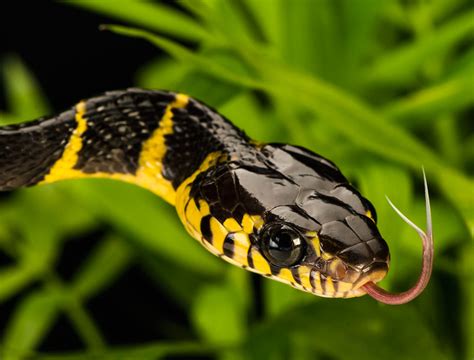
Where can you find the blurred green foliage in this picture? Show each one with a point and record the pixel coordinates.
(379, 87)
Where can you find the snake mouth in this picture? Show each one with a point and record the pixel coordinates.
(376, 274)
(335, 278)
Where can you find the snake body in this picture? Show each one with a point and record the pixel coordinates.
(275, 209)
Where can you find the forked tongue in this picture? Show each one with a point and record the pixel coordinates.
(383, 296)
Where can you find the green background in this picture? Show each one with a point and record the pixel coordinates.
(382, 88)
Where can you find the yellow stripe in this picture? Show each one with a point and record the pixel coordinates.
(257, 221)
(304, 272)
(368, 213)
(330, 290)
(219, 233)
(259, 263)
(204, 208)
(149, 173)
(63, 168)
(193, 217)
(247, 224)
(317, 282)
(343, 286)
(182, 198)
(241, 247)
(314, 239)
(232, 225)
(286, 275)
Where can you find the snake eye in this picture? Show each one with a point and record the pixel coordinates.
(282, 245)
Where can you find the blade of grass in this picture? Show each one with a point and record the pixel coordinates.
(312, 38)
(6, 119)
(358, 22)
(326, 317)
(217, 317)
(82, 322)
(350, 116)
(152, 351)
(13, 279)
(24, 96)
(418, 108)
(449, 139)
(161, 74)
(151, 15)
(73, 307)
(184, 55)
(269, 14)
(229, 18)
(368, 129)
(152, 223)
(399, 66)
(280, 298)
(243, 110)
(29, 324)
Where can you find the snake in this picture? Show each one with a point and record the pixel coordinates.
(278, 210)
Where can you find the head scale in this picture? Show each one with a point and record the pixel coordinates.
(288, 214)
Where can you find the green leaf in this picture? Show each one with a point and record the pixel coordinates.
(280, 298)
(359, 20)
(269, 15)
(211, 89)
(24, 97)
(244, 110)
(217, 316)
(230, 19)
(238, 281)
(419, 108)
(154, 16)
(161, 74)
(346, 329)
(13, 279)
(30, 323)
(37, 207)
(312, 38)
(153, 351)
(399, 66)
(340, 110)
(146, 219)
(181, 53)
(6, 119)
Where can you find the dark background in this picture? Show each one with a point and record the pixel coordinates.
(64, 49)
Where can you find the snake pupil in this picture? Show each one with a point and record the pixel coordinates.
(282, 245)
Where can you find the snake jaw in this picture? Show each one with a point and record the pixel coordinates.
(382, 295)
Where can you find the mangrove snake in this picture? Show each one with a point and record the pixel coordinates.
(275, 209)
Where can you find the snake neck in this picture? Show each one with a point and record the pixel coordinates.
(153, 139)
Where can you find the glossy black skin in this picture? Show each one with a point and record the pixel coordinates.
(29, 150)
(281, 183)
(118, 123)
(289, 185)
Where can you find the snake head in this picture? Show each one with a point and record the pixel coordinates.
(288, 214)
(334, 228)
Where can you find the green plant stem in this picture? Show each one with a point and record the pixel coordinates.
(76, 312)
